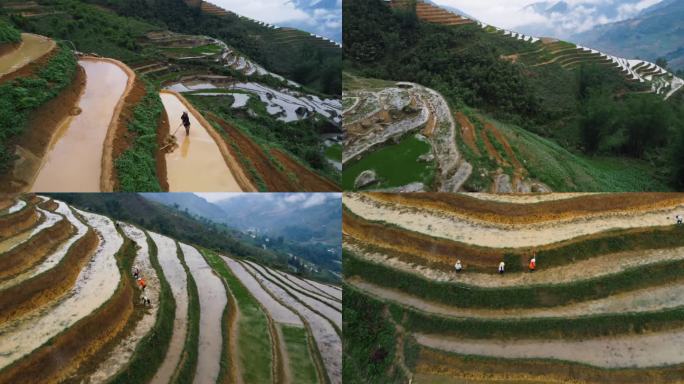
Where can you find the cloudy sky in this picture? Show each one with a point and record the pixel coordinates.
(303, 200)
(581, 15)
(322, 17)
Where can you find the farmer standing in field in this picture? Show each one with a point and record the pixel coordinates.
(502, 267)
(186, 122)
(141, 283)
(458, 266)
(533, 263)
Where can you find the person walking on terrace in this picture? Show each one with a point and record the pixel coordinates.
(502, 267)
(533, 263)
(186, 122)
(458, 266)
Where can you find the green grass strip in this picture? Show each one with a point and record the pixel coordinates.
(137, 166)
(254, 344)
(302, 367)
(8, 34)
(467, 296)
(185, 373)
(152, 349)
(369, 342)
(535, 328)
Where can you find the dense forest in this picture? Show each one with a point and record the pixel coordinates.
(590, 110)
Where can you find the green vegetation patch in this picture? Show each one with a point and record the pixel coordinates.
(151, 350)
(8, 34)
(302, 367)
(254, 342)
(334, 152)
(19, 98)
(369, 341)
(562, 170)
(395, 165)
(137, 166)
(462, 295)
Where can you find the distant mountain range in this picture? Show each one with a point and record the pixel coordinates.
(562, 19)
(300, 217)
(657, 31)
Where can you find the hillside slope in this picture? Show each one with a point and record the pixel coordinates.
(655, 33)
(587, 110)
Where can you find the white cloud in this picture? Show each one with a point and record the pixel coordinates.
(582, 15)
(270, 11)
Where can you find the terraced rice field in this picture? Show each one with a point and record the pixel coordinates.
(72, 311)
(80, 140)
(603, 305)
(32, 48)
(201, 162)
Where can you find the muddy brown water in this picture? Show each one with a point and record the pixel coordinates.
(175, 275)
(54, 258)
(278, 312)
(96, 283)
(327, 340)
(73, 162)
(629, 351)
(490, 234)
(213, 300)
(32, 48)
(197, 165)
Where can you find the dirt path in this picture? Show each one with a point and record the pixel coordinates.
(594, 267)
(32, 48)
(491, 234)
(639, 351)
(121, 354)
(527, 198)
(278, 312)
(79, 142)
(213, 300)
(645, 300)
(467, 131)
(94, 286)
(327, 340)
(177, 279)
(54, 258)
(198, 164)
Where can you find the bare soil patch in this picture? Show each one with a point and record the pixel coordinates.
(308, 181)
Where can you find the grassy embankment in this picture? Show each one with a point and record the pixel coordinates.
(20, 97)
(137, 166)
